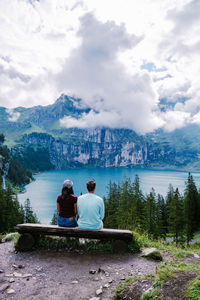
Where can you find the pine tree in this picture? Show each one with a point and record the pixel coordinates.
(112, 205)
(29, 216)
(11, 212)
(169, 198)
(191, 201)
(150, 214)
(161, 217)
(137, 206)
(124, 214)
(54, 218)
(176, 216)
(2, 209)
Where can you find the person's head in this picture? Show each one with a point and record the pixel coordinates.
(91, 185)
(67, 188)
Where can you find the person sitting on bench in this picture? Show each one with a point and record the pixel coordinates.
(90, 209)
(67, 206)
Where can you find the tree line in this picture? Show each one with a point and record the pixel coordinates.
(126, 207)
(12, 212)
(17, 173)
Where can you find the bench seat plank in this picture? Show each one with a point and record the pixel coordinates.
(37, 229)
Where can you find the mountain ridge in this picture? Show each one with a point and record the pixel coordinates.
(39, 128)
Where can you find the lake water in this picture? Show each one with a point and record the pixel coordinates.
(44, 190)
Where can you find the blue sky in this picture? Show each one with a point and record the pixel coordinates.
(120, 57)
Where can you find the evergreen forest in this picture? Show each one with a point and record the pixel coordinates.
(178, 216)
(12, 213)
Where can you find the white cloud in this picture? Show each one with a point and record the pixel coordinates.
(42, 56)
(13, 115)
(94, 73)
(175, 119)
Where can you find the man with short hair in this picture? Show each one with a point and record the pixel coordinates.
(90, 209)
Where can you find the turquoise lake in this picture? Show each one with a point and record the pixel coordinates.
(44, 190)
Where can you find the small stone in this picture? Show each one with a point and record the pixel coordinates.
(11, 280)
(92, 271)
(106, 285)
(110, 281)
(122, 278)
(101, 270)
(21, 266)
(4, 287)
(95, 298)
(38, 269)
(196, 255)
(10, 291)
(96, 279)
(9, 275)
(1, 271)
(8, 237)
(75, 282)
(27, 275)
(152, 253)
(15, 266)
(99, 292)
(16, 274)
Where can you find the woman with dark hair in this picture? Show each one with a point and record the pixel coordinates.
(67, 206)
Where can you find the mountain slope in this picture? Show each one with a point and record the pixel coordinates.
(37, 131)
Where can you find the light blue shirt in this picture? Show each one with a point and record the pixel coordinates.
(90, 211)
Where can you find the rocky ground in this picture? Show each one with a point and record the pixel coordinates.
(43, 274)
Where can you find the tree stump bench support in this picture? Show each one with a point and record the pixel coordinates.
(30, 232)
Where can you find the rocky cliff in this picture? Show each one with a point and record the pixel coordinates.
(39, 139)
(101, 148)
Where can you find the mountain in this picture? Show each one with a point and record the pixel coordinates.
(37, 140)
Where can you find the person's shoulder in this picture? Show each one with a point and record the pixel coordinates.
(59, 197)
(82, 196)
(74, 197)
(98, 197)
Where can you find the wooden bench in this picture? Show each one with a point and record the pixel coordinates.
(30, 232)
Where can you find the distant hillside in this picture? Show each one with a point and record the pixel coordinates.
(38, 141)
(11, 169)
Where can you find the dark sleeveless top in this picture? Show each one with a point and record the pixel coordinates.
(67, 206)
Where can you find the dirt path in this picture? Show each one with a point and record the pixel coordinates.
(63, 275)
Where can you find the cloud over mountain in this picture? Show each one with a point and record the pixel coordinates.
(121, 59)
(94, 72)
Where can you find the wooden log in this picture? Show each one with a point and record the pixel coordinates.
(110, 234)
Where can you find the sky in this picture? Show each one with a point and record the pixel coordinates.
(136, 63)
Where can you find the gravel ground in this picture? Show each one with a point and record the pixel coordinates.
(63, 275)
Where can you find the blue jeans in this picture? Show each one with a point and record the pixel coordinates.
(66, 222)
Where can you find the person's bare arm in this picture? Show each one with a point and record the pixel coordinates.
(58, 207)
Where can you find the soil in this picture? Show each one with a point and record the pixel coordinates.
(135, 290)
(175, 288)
(66, 275)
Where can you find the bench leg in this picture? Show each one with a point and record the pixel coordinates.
(26, 242)
(119, 246)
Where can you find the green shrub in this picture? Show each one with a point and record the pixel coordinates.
(193, 290)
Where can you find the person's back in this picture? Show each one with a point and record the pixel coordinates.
(67, 206)
(90, 209)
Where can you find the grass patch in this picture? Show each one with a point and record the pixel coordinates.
(193, 290)
(165, 271)
(179, 252)
(196, 236)
(119, 289)
(70, 244)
